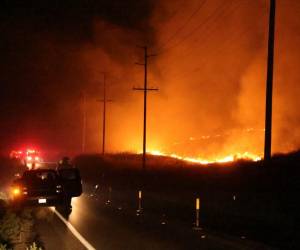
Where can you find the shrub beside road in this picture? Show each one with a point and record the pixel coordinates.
(16, 226)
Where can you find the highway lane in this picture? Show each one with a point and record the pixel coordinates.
(53, 234)
(110, 227)
(106, 229)
(99, 229)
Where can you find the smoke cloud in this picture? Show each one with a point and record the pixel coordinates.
(213, 75)
(209, 66)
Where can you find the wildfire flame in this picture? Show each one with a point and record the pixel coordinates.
(202, 161)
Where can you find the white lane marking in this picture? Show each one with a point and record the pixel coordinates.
(74, 231)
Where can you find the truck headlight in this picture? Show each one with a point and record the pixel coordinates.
(16, 191)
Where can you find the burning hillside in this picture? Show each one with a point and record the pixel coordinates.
(209, 63)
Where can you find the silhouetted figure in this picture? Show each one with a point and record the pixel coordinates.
(64, 163)
(33, 166)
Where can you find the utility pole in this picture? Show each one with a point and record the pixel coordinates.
(83, 123)
(269, 85)
(145, 90)
(104, 100)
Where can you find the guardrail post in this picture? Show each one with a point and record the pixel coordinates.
(139, 210)
(197, 222)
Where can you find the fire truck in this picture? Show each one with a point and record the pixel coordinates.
(29, 157)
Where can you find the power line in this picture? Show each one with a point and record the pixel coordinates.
(182, 26)
(210, 32)
(229, 42)
(220, 7)
(205, 38)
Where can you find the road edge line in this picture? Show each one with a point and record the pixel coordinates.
(73, 230)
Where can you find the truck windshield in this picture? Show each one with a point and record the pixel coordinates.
(40, 176)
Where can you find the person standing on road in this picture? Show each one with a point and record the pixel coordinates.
(64, 163)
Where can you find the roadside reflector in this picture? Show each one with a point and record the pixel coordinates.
(139, 203)
(198, 203)
(197, 219)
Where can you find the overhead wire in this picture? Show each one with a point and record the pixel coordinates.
(205, 36)
(205, 21)
(226, 42)
(202, 61)
(180, 28)
(196, 70)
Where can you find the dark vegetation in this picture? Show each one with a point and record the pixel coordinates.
(8, 169)
(242, 198)
(16, 226)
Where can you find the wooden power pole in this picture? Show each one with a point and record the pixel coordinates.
(145, 90)
(104, 100)
(269, 85)
(83, 146)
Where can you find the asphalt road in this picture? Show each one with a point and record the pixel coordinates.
(115, 226)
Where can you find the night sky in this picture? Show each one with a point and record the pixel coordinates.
(39, 73)
(210, 68)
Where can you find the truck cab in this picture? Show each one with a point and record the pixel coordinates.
(46, 187)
